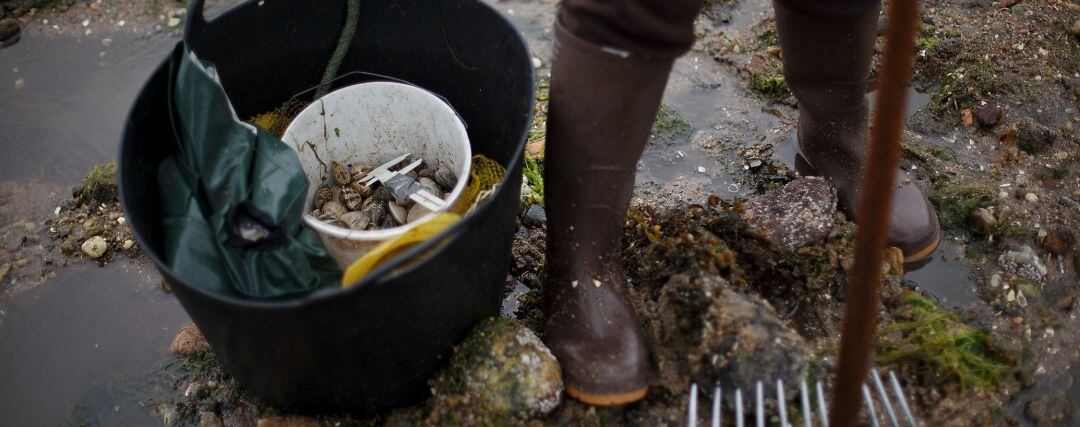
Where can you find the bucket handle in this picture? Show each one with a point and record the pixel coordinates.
(195, 20)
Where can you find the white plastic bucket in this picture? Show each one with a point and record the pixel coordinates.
(371, 123)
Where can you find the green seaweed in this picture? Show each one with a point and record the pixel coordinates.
(99, 185)
(534, 176)
(670, 123)
(955, 200)
(942, 349)
(770, 85)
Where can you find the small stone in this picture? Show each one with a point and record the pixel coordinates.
(894, 261)
(536, 148)
(189, 339)
(70, 245)
(795, 215)
(1058, 241)
(174, 22)
(1065, 303)
(1050, 409)
(1033, 137)
(983, 222)
(537, 63)
(20, 83)
(128, 244)
(209, 419)
(9, 28)
(535, 216)
(966, 117)
(95, 247)
(1031, 197)
(1075, 28)
(773, 50)
(988, 115)
(1018, 321)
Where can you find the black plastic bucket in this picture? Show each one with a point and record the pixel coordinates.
(376, 344)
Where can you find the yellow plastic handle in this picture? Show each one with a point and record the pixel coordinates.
(391, 248)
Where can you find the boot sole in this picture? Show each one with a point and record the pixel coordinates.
(607, 399)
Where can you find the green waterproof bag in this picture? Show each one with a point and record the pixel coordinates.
(232, 197)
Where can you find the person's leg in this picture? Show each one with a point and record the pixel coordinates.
(827, 48)
(612, 60)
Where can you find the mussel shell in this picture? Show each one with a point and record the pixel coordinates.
(322, 195)
(333, 209)
(356, 220)
(364, 190)
(351, 198)
(341, 173)
(359, 172)
(382, 194)
(445, 177)
(397, 212)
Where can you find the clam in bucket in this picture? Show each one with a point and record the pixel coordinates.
(369, 124)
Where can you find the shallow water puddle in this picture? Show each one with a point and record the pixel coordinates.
(946, 275)
(87, 330)
(69, 112)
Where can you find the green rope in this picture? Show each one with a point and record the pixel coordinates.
(347, 32)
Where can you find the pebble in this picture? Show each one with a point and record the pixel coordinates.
(20, 83)
(9, 28)
(988, 115)
(128, 244)
(535, 216)
(1075, 29)
(1033, 137)
(187, 340)
(982, 221)
(1058, 241)
(1031, 197)
(1065, 303)
(95, 247)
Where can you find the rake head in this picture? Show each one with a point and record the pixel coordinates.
(893, 406)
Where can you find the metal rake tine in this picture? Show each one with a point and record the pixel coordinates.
(821, 405)
(884, 397)
(902, 398)
(807, 416)
(759, 407)
(870, 405)
(716, 398)
(691, 410)
(738, 408)
(781, 402)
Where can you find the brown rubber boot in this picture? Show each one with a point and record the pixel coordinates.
(826, 65)
(602, 105)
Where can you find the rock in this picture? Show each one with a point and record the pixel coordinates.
(535, 216)
(1031, 197)
(1075, 28)
(5, 270)
(93, 226)
(209, 419)
(9, 28)
(128, 244)
(988, 115)
(189, 339)
(1049, 410)
(501, 373)
(536, 148)
(720, 336)
(1033, 137)
(983, 222)
(1023, 262)
(288, 421)
(966, 117)
(1058, 241)
(1065, 303)
(95, 247)
(70, 245)
(796, 215)
(894, 261)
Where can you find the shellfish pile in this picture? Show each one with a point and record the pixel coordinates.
(348, 203)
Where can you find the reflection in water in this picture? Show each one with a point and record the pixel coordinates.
(82, 347)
